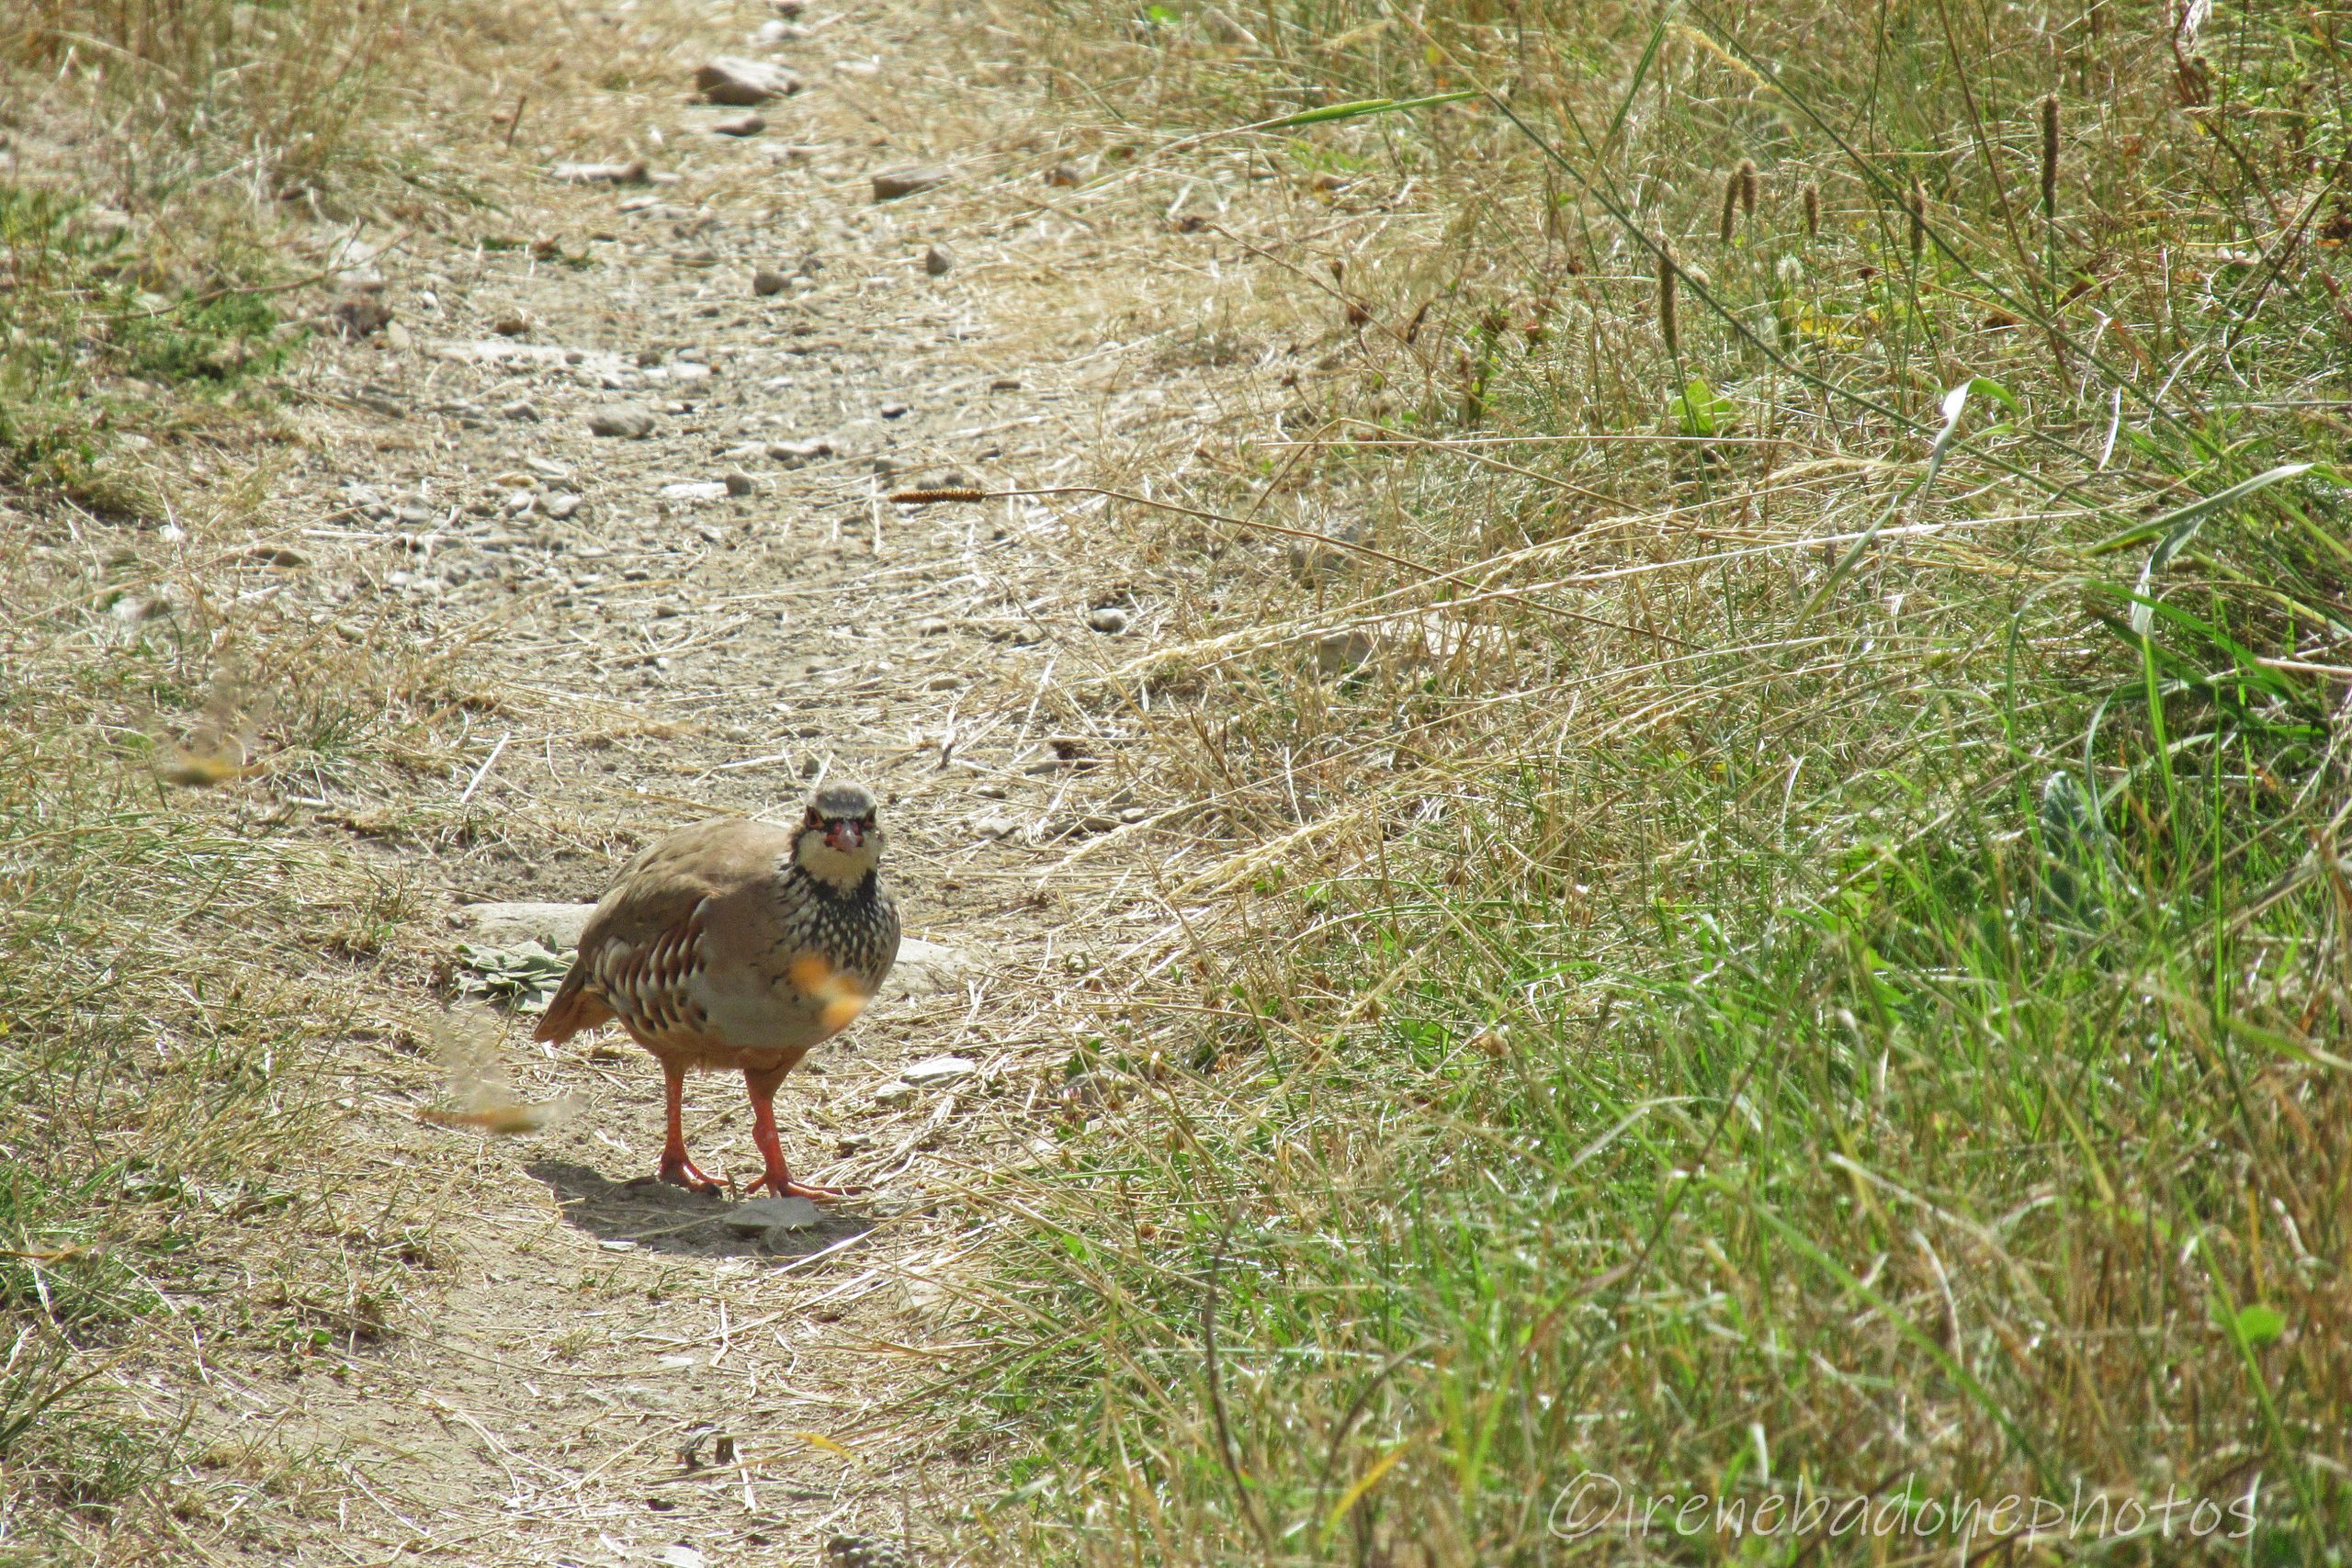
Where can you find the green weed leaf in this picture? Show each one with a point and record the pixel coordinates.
(2257, 1324)
(1699, 409)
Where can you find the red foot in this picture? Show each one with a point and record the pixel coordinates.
(679, 1171)
(782, 1184)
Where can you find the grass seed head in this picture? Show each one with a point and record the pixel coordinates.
(1811, 211)
(1667, 326)
(2050, 156)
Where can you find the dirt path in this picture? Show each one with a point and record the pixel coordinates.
(654, 650)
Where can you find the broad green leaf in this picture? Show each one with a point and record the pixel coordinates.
(2259, 1325)
(1699, 410)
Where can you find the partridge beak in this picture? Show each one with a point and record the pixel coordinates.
(845, 836)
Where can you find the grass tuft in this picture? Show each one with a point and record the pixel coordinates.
(1803, 952)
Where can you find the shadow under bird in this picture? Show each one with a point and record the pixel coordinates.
(737, 946)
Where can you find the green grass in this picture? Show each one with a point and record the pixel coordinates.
(85, 355)
(1824, 976)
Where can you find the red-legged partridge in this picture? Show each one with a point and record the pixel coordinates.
(738, 945)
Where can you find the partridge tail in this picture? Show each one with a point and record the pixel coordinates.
(575, 1008)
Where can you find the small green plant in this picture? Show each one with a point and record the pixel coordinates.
(1699, 409)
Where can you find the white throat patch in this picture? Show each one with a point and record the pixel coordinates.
(843, 870)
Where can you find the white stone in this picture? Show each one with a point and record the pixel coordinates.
(733, 80)
(508, 925)
(755, 1215)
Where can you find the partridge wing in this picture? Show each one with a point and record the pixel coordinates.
(646, 939)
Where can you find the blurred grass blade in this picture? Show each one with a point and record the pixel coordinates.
(2178, 526)
(1354, 1495)
(1955, 403)
(2173, 531)
(1357, 110)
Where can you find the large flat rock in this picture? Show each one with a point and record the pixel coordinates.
(555, 926)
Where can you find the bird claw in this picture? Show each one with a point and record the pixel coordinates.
(682, 1172)
(786, 1187)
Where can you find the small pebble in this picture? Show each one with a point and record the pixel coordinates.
(625, 419)
(755, 1215)
(560, 505)
(511, 326)
(521, 408)
(739, 483)
(793, 454)
(892, 184)
(935, 1070)
(767, 281)
(738, 83)
(938, 262)
(741, 125)
(1110, 620)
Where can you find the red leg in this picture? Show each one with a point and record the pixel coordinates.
(776, 1178)
(675, 1167)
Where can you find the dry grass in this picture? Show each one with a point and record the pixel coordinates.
(176, 960)
(176, 966)
(1741, 925)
